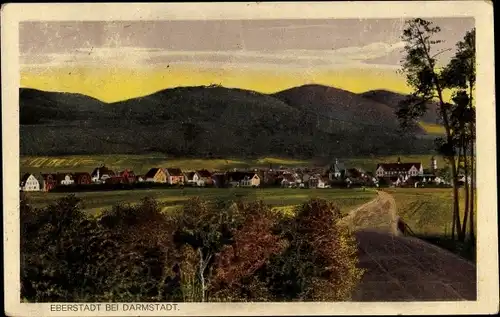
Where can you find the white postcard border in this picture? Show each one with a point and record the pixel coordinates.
(482, 11)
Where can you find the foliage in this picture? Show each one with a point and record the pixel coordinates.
(320, 261)
(208, 250)
(66, 257)
(429, 81)
(236, 264)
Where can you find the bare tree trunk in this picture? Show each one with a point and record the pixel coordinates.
(472, 189)
(444, 114)
(201, 270)
(472, 126)
(466, 190)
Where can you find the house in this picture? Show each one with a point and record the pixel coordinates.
(243, 179)
(29, 183)
(156, 175)
(219, 179)
(336, 171)
(190, 178)
(47, 182)
(391, 181)
(288, 180)
(64, 179)
(127, 176)
(82, 178)
(203, 178)
(100, 174)
(317, 181)
(396, 169)
(174, 176)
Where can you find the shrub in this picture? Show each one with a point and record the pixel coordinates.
(218, 251)
(320, 263)
(66, 257)
(253, 244)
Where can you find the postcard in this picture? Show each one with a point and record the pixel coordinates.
(240, 159)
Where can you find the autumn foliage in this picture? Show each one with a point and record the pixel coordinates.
(206, 251)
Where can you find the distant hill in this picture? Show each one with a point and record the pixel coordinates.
(392, 99)
(213, 121)
(338, 109)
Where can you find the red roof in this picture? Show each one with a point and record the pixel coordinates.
(174, 171)
(204, 173)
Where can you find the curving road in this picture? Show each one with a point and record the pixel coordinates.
(401, 268)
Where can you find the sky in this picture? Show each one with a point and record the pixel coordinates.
(116, 60)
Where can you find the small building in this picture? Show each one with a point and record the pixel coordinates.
(47, 182)
(127, 176)
(64, 179)
(219, 179)
(336, 171)
(174, 176)
(288, 181)
(396, 169)
(189, 177)
(243, 179)
(156, 175)
(203, 178)
(100, 174)
(317, 181)
(29, 183)
(82, 178)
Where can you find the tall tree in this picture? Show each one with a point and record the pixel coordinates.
(460, 75)
(424, 77)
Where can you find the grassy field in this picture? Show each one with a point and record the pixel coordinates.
(435, 129)
(140, 164)
(281, 198)
(428, 211)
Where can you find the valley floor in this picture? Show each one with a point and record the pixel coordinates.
(281, 198)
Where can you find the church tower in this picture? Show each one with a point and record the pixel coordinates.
(434, 165)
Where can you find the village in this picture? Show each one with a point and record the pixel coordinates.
(337, 175)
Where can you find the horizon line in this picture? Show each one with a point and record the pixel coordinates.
(213, 85)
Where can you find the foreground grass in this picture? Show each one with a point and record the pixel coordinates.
(282, 198)
(428, 211)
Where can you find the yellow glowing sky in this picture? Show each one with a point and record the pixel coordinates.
(114, 84)
(116, 60)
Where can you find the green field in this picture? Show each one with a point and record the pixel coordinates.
(140, 164)
(282, 198)
(428, 211)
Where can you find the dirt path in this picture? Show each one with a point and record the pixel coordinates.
(401, 268)
(378, 214)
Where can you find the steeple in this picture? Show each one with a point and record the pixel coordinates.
(433, 164)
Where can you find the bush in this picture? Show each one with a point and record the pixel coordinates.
(208, 250)
(121, 257)
(320, 263)
(236, 264)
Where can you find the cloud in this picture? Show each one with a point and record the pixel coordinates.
(149, 57)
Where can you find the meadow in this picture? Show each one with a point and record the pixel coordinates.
(427, 211)
(140, 164)
(283, 199)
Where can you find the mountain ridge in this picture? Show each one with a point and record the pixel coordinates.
(304, 121)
